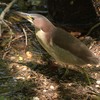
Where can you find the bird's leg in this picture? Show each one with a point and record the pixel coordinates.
(87, 76)
(66, 71)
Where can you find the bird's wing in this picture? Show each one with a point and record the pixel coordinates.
(67, 42)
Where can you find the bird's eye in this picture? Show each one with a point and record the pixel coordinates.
(32, 18)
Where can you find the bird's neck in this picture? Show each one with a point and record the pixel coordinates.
(47, 26)
(44, 37)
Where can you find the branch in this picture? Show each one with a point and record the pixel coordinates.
(3, 14)
(7, 9)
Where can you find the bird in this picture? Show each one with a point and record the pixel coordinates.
(60, 44)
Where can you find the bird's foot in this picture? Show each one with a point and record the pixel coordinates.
(87, 76)
(63, 72)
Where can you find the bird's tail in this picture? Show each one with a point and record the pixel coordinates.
(95, 60)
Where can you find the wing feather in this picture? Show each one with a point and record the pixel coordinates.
(66, 41)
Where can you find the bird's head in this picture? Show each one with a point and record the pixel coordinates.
(39, 21)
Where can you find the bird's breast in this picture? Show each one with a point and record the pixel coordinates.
(43, 39)
(41, 35)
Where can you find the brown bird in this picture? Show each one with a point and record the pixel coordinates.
(61, 45)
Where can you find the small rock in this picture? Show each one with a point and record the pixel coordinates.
(52, 87)
(98, 81)
(44, 90)
(20, 58)
(29, 54)
(36, 98)
(70, 84)
(97, 86)
(12, 58)
(22, 78)
(24, 68)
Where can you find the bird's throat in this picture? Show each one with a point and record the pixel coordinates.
(43, 37)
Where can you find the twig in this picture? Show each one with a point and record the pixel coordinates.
(12, 40)
(7, 9)
(3, 14)
(92, 44)
(28, 29)
(93, 27)
(25, 33)
(1, 3)
(4, 55)
(5, 22)
(5, 77)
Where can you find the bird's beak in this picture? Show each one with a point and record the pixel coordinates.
(25, 15)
